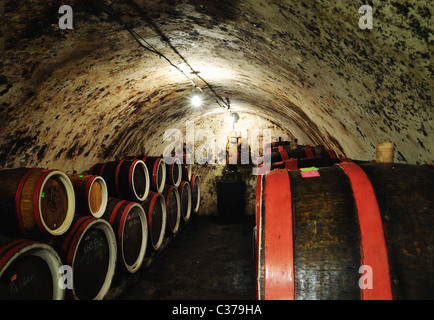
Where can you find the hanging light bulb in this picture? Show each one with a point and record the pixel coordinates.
(196, 101)
(232, 118)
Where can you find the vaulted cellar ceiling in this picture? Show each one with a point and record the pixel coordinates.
(69, 98)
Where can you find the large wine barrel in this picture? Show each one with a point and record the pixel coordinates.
(131, 229)
(89, 248)
(185, 196)
(346, 232)
(195, 192)
(90, 194)
(29, 270)
(173, 208)
(126, 179)
(35, 202)
(155, 207)
(174, 172)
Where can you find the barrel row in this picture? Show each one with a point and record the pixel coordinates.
(347, 231)
(134, 176)
(90, 245)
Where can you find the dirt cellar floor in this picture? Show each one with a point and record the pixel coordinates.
(208, 260)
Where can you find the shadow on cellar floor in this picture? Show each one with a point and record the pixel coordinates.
(208, 260)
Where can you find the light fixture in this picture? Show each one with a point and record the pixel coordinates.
(196, 101)
(232, 118)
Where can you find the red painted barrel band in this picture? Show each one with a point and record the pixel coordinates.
(122, 223)
(331, 153)
(102, 169)
(118, 191)
(291, 164)
(115, 211)
(71, 232)
(18, 201)
(130, 176)
(87, 189)
(373, 244)
(37, 192)
(309, 152)
(11, 248)
(151, 208)
(278, 238)
(154, 173)
(75, 236)
(284, 155)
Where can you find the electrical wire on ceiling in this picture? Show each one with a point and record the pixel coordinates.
(147, 46)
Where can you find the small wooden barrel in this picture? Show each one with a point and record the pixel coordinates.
(173, 208)
(157, 172)
(131, 229)
(89, 248)
(174, 172)
(185, 196)
(35, 202)
(195, 192)
(29, 270)
(126, 179)
(90, 194)
(155, 208)
(345, 232)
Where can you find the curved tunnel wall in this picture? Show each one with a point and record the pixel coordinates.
(71, 98)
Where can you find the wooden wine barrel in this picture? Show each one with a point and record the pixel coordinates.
(29, 270)
(174, 172)
(195, 192)
(346, 232)
(157, 172)
(89, 248)
(185, 196)
(155, 208)
(173, 208)
(131, 229)
(90, 194)
(35, 202)
(126, 179)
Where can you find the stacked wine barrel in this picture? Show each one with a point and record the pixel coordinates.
(329, 228)
(67, 235)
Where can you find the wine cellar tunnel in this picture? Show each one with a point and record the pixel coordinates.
(103, 81)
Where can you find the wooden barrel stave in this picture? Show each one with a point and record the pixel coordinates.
(29, 270)
(326, 237)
